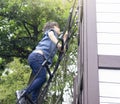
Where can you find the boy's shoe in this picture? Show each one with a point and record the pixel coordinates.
(20, 94)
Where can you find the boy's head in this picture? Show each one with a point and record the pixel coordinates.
(50, 25)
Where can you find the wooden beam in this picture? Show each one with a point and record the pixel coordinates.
(109, 61)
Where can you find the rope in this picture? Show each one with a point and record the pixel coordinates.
(61, 55)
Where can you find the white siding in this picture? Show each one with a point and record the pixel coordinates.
(108, 38)
(108, 26)
(109, 84)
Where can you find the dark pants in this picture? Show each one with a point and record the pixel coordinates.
(35, 61)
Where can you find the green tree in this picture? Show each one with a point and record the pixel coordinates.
(15, 77)
(21, 23)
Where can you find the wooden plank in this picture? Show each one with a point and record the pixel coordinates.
(90, 66)
(109, 61)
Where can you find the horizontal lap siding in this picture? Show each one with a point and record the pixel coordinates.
(109, 84)
(108, 38)
(108, 26)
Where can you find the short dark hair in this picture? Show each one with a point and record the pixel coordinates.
(50, 25)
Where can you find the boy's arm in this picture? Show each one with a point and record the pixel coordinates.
(54, 39)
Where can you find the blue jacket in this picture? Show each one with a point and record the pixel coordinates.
(47, 46)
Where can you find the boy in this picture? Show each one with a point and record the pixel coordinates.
(46, 49)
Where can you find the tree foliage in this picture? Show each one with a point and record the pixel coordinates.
(21, 23)
(14, 78)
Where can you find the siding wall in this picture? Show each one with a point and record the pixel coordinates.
(108, 38)
(108, 26)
